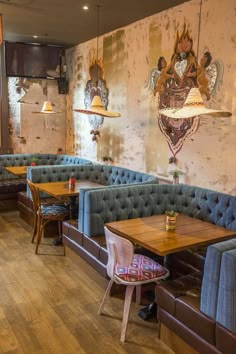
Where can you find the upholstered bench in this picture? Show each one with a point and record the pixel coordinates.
(201, 307)
(10, 184)
(114, 203)
(111, 177)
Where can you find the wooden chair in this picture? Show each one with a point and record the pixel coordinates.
(133, 270)
(43, 214)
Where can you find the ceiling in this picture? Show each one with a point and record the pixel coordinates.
(65, 22)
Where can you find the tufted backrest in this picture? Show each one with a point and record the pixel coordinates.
(13, 160)
(226, 305)
(43, 159)
(217, 208)
(98, 207)
(102, 174)
(105, 175)
(211, 276)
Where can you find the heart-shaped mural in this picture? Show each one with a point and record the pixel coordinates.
(180, 67)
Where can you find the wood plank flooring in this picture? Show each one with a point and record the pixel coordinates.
(49, 304)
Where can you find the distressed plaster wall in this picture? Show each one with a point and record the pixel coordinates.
(32, 132)
(128, 56)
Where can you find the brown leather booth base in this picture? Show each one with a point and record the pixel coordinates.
(91, 249)
(9, 193)
(10, 204)
(25, 208)
(174, 342)
(186, 262)
(179, 310)
(225, 340)
(187, 335)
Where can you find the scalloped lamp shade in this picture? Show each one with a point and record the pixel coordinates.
(193, 106)
(98, 109)
(47, 109)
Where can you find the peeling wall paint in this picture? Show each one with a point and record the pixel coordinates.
(134, 140)
(32, 132)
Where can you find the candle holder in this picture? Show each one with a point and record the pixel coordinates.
(171, 220)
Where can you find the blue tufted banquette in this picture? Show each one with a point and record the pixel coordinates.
(98, 207)
(43, 159)
(11, 185)
(102, 174)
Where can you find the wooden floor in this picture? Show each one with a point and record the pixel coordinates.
(49, 304)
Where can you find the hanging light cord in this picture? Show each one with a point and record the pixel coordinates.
(98, 25)
(199, 28)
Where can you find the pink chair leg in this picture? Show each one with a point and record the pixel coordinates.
(138, 294)
(107, 293)
(128, 298)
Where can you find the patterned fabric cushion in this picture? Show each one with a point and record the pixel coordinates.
(142, 268)
(55, 210)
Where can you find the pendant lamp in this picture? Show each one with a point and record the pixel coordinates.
(97, 108)
(193, 105)
(46, 109)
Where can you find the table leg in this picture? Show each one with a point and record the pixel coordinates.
(58, 241)
(73, 207)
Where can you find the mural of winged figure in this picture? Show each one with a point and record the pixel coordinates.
(96, 86)
(173, 81)
(155, 73)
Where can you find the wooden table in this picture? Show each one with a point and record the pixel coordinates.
(150, 233)
(17, 170)
(62, 189)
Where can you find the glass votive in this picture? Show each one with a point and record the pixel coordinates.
(170, 223)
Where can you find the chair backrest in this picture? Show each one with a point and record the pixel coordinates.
(35, 196)
(120, 251)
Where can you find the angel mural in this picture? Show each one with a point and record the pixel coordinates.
(172, 83)
(96, 86)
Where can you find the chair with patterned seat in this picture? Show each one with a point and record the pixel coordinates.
(133, 270)
(44, 214)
